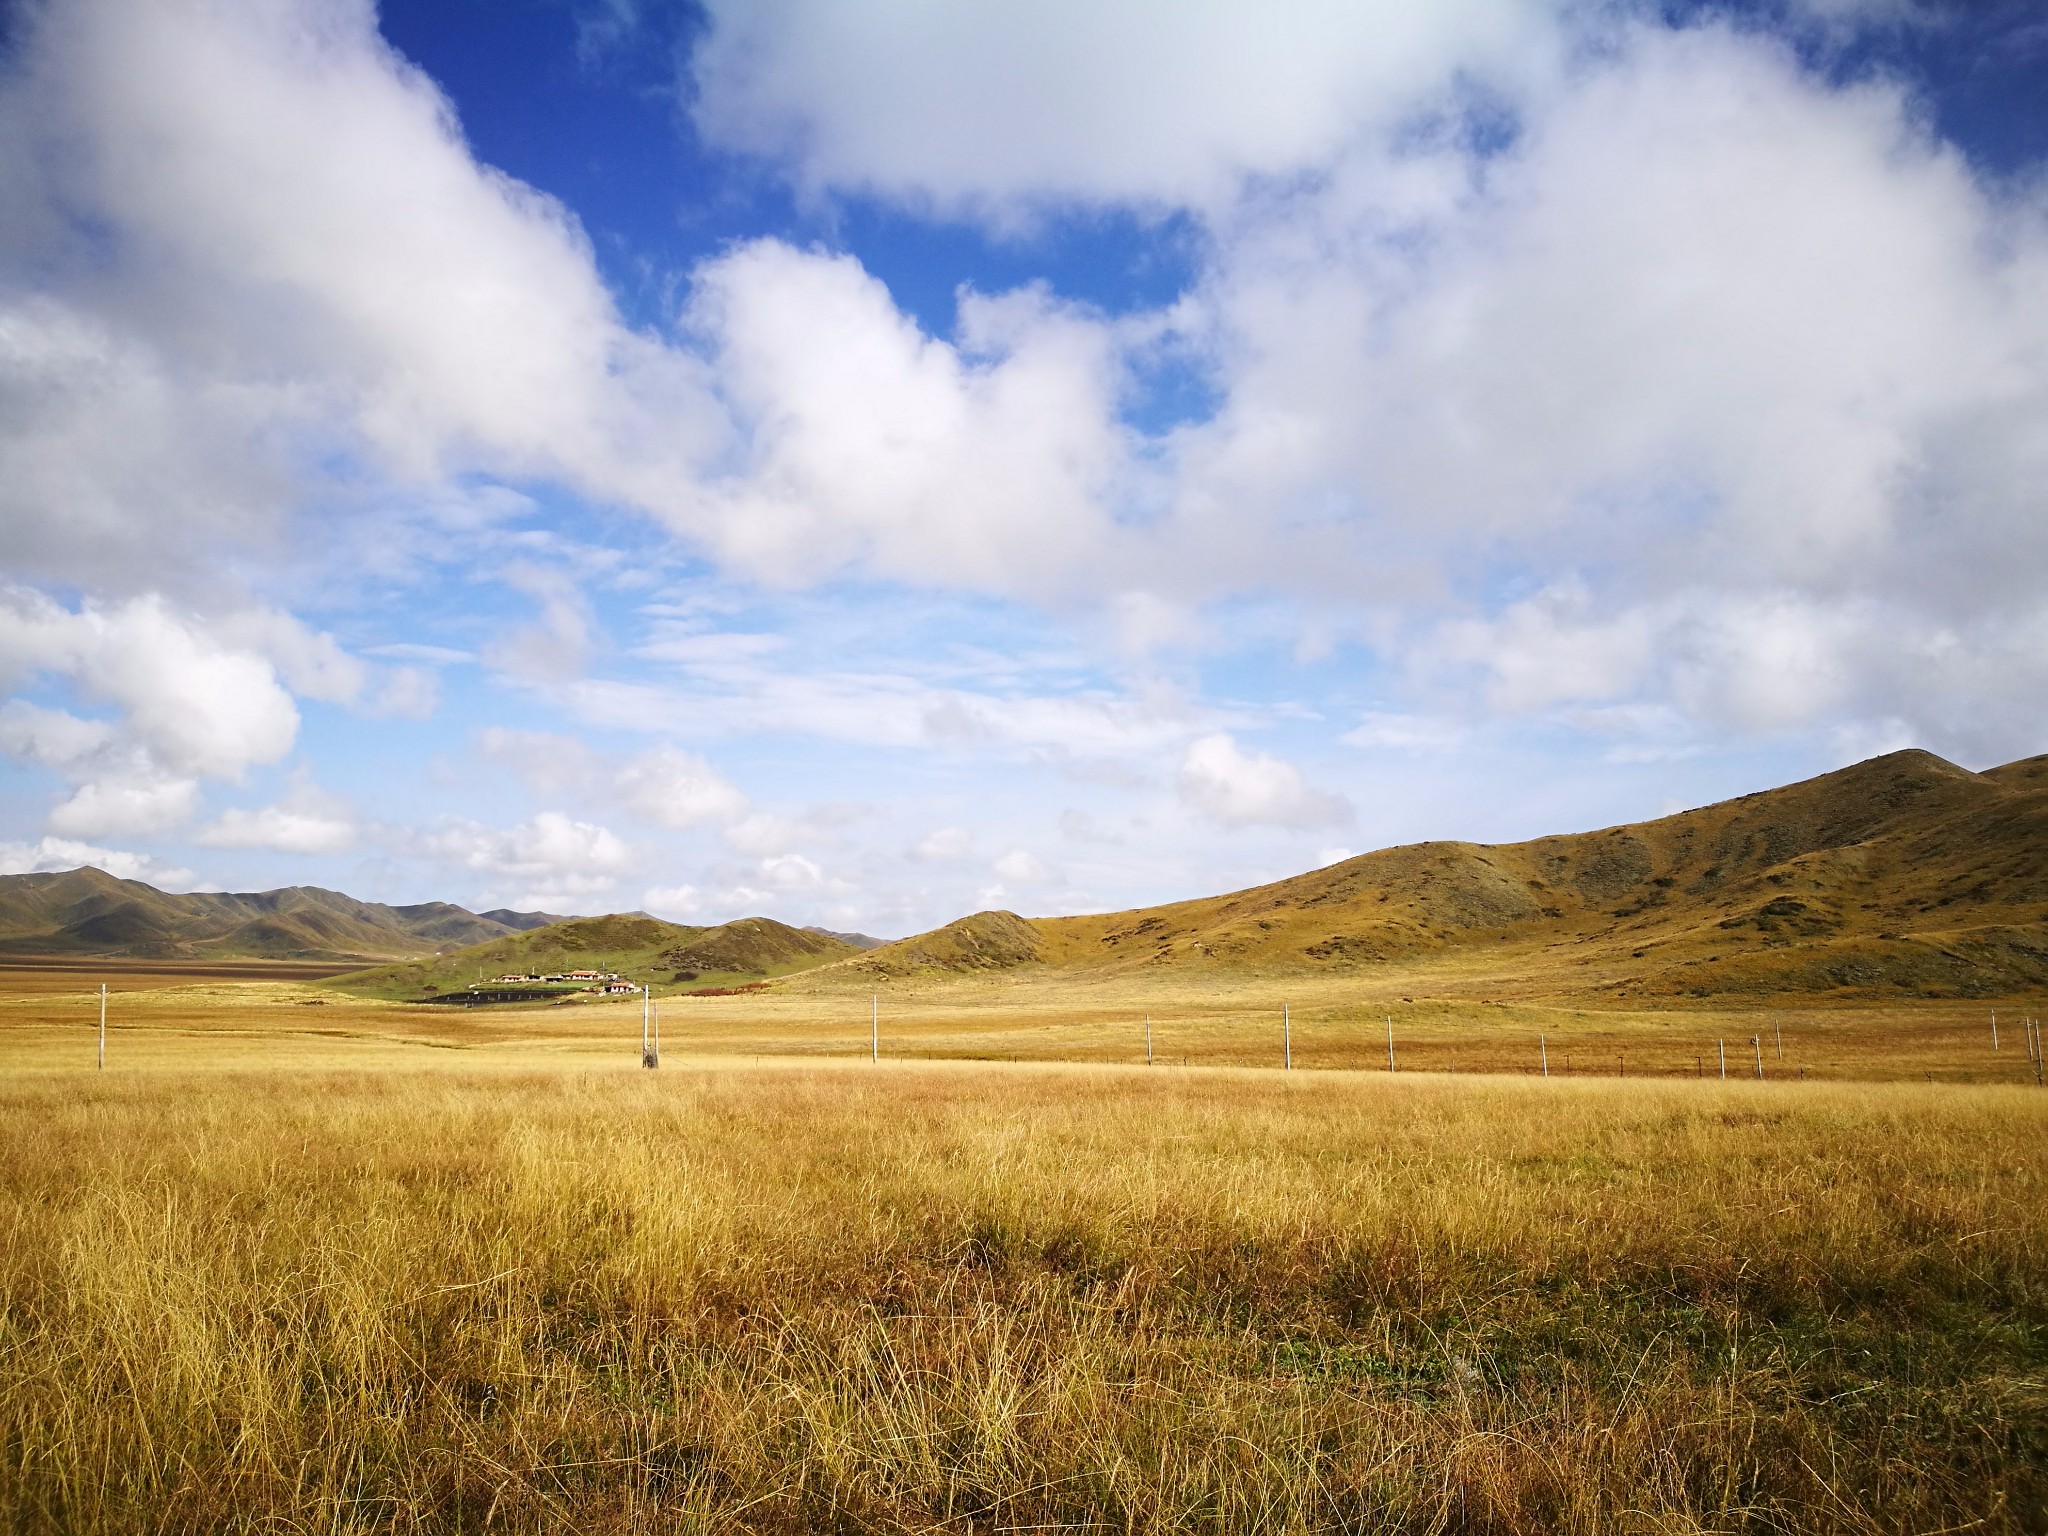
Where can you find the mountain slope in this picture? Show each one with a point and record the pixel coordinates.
(672, 956)
(90, 912)
(1903, 872)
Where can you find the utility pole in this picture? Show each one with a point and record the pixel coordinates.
(103, 1026)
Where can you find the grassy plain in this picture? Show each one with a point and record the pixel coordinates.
(1442, 1022)
(297, 1262)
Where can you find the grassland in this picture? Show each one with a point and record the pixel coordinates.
(1441, 1023)
(307, 1261)
(948, 1296)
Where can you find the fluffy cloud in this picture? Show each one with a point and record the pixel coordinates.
(947, 845)
(197, 705)
(555, 857)
(276, 828)
(262, 277)
(51, 738)
(114, 804)
(1663, 374)
(764, 834)
(59, 853)
(794, 872)
(992, 461)
(306, 821)
(982, 108)
(677, 903)
(1222, 782)
(195, 700)
(1020, 866)
(1711, 335)
(673, 788)
(1678, 324)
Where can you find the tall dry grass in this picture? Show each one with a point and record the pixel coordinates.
(985, 1299)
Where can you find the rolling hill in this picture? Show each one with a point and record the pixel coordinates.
(90, 912)
(1901, 875)
(672, 956)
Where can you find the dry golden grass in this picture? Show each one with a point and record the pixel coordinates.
(46, 1020)
(997, 1298)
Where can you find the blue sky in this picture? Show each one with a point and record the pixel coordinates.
(863, 463)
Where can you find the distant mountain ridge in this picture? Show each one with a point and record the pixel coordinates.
(1902, 875)
(87, 911)
(670, 956)
(857, 940)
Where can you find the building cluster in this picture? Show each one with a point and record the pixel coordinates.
(607, 982)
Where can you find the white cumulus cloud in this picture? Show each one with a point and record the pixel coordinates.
(53, 854)
(1020, 866)
(673, 788)
(305, 821)
(554, 857)
(947, 845)
(1219, 780)
(676, 903)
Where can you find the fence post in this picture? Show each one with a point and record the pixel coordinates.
(1756, 1045)
(1390, 1042)
(1722, 1046)
(1286, 1040)
(1148, 1039)
(103, 1026)
(1543, 1050)
(874, 1027)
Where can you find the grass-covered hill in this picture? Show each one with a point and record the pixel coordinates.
(1903, 875)
(672, 956)
(90, 912)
